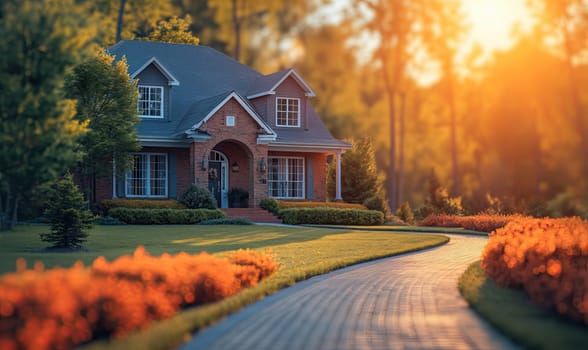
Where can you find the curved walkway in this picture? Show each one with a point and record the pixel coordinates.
(405, 302)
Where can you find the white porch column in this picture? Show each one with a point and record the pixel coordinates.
(338, 177)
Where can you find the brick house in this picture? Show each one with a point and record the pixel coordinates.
(209, 120)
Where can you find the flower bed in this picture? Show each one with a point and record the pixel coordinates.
(548, 258)
(60, 308)
(481, 222)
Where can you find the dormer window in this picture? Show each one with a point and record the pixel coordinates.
(287, 112)
(150, 103)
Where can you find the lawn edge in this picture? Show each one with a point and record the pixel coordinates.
(405, 229)
(173, 332)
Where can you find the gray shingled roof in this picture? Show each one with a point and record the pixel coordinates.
(206, 78)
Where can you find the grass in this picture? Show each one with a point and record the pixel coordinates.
(516, 316)
(399, 228)
(303, 252)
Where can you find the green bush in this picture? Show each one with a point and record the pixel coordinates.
(105, 206)
(198, 198)
(404, 213)
(68, 218)
(165, 216)
(311, 204)
(108, 220)
(234, 221)
(270, 205)
(331, 216)
(377, 202)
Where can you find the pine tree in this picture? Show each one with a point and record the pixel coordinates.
(68, 218)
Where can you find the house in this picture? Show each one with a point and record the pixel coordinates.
(209, 120)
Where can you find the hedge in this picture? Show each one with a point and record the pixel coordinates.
(165, 216)
(308, 204)
(108, 204)
(331, 216)
(480, 222)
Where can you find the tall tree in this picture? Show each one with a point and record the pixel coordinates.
(566, 23)
(41, 41)
(107, 103)
(175, 30)
(398, 26)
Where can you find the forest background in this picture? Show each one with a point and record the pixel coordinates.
(502, 128)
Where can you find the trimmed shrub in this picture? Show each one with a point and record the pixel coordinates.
(165, 216)
(404, 213)
(309, 204)
(61, 308)
(197, 197)
(105, 206)
(234, 221)
(481, 222)
(270, 205)
(331, 216)
(67, 215)
(108, 220)
(548, 258)
(377, 202)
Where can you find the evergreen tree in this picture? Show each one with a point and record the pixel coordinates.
(359, 176)
(41, 40)
(67, 216)
(107, 101)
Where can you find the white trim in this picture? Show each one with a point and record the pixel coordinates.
(161, 109)
(303, 175)
(171, 80)
(296, 76)
(338, 179)
(245, 106)
(287, 111)
(293, 147)
(148, 178)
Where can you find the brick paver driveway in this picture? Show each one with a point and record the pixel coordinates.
(404, 302)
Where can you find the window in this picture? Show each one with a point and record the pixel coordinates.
(288, 111)
(230, 120)
(150, 102)
(148, 178)
(286, 177)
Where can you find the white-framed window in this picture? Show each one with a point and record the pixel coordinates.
(230, 120)
(286, 177)
(150, 102)
(148, 177)
(287, 112)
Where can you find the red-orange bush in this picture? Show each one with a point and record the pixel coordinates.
(59, 308)
(480, 222)
(548, 258)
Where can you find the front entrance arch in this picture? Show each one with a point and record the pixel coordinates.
(218, 177)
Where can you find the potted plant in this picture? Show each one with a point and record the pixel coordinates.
(238, 198)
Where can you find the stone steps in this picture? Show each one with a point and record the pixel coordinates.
(253, 214)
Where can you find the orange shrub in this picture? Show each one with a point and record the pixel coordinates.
(60, 308)
(480, 222)
(548, 258)
(309, 204)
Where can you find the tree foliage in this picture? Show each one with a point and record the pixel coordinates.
(175, 30)
(41, 41)
(359, 176)
(68, 218)
(107, 103)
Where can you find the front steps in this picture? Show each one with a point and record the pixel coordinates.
(253, 214)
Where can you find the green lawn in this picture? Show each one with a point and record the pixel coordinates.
(302, 251)
(515, 315)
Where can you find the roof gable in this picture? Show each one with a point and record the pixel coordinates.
(153, 61)
(267, 84)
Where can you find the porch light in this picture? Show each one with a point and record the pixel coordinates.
(262, 165)
(235, 167)
(204, 163)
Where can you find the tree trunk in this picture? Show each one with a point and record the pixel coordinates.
(391, 92)
(456, 188)
(119, 22)
(401, 134)
(237, 29)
